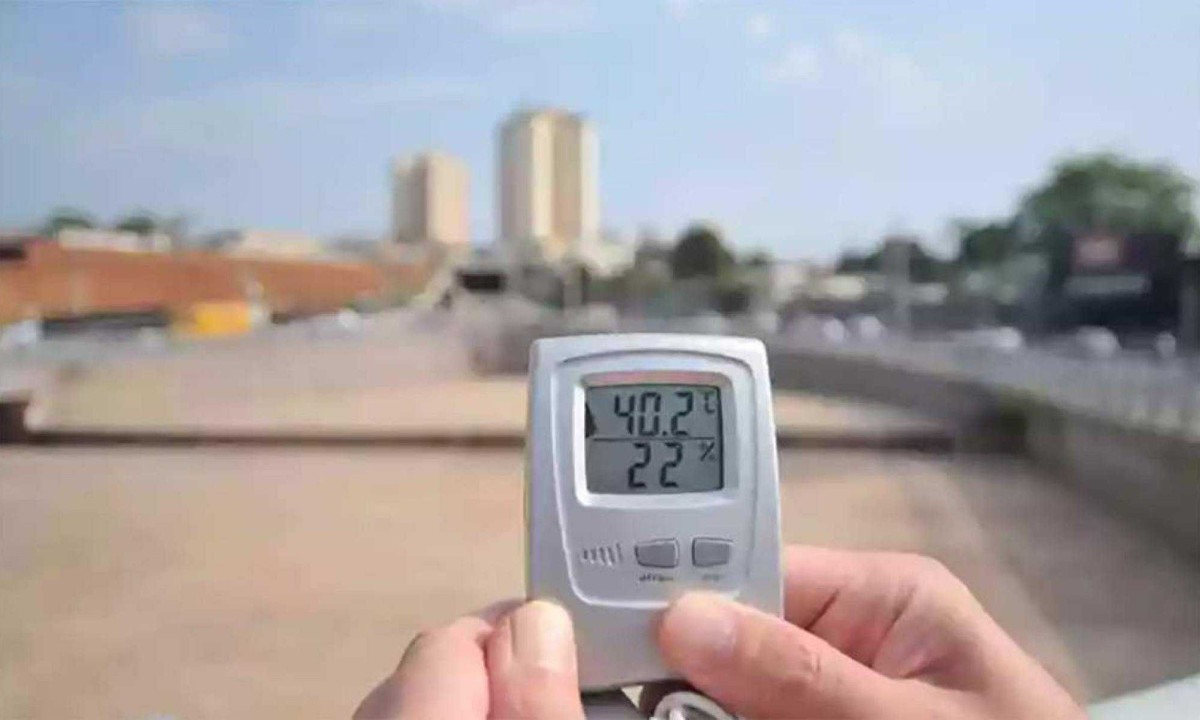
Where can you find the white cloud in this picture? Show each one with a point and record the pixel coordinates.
(24, 98)
(228, 120)
(678, 8)
(351, 18)
(851, 45)
(759, 25)
(522, 17)
(544, 17)
(897, 75)
(908, 90)
(798, 64)
(176, 30)
(513, 18)
(894, 83)
(14, 82)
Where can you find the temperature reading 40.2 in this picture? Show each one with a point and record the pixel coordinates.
(644, 416)
(653, 438)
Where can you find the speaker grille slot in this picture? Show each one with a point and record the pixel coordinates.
(606, 555)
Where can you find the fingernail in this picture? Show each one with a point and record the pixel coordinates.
(542, 636)
(700, 628)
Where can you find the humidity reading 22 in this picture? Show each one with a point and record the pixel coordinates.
(653, 439)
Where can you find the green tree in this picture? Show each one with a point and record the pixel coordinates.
(923, 266)
(139, 223)
(854, 263)
(985, 244)
(732, 296)
(926, 267)
(1102, 193)
(758, 259)
(652, 252)
(700, 253)
(64, 218)
(1108, 192)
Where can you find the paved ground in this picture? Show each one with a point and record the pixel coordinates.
(283, 582)
(437, 406)
(258, 380)
(393, 377)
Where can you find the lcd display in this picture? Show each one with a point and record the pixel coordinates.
(653, 439)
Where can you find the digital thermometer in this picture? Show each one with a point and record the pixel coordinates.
(651, 470)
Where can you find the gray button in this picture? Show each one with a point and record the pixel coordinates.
(708, 552)
(657, 553)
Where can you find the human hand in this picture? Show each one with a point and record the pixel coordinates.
(509, 661)
(865, 635)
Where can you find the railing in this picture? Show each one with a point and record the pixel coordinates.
(1159, 396)
(1156, 396)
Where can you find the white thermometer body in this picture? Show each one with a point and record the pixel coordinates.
(651, 470)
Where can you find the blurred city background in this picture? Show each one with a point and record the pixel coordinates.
(269, 274)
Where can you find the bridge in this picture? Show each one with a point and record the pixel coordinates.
(258, 526)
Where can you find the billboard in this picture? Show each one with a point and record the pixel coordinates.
(1127, 281)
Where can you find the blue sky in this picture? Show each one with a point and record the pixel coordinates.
(800, 127)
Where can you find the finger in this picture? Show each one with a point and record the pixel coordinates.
(494, 613)
(442, 674)
(532, 666)
(813, 577)
(853, 600)
(758, 665)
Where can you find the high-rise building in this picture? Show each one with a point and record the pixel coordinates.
(547, 181)
(429, 200)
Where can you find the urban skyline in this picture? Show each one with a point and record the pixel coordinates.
(546, 187)
(430, 202)
(546, 180)
(797, 127)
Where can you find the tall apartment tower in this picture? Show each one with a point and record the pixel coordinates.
(430, 200)
(547, 178)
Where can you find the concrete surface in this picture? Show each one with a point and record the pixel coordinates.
(284, 582)
(1142, 463)
(145, 399)
(404, 375)
(1148, 476)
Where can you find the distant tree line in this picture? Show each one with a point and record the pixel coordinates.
(1101, 192)
(139, 222)
(923, 266)
(699, 264)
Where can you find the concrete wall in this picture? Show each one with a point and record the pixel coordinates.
(1146, 476)
(1151, 478)
(980, 421)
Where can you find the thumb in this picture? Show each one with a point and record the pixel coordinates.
(531, 665)
(758, 665)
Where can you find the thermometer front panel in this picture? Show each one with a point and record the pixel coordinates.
(657, 465)
(652, 494)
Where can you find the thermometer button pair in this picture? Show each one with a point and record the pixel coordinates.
(706, 552)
